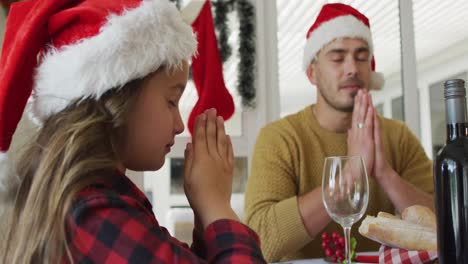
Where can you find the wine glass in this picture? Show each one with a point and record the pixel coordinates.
(345, 192)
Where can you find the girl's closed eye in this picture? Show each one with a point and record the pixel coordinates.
(172, 103)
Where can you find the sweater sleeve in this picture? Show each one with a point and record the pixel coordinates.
(416, 166)
(271, 204)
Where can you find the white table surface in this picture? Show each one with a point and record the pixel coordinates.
(321, 261)
(304, 261)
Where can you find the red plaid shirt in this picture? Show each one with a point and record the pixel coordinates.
(114, 223)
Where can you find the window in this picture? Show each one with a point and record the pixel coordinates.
(397, 108)
(441, 35)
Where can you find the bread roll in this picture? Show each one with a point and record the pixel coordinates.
(399, 233)
(420, 215)
(387, 215)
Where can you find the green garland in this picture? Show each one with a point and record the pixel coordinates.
(221, 9)
(246, 67)
(246, 82)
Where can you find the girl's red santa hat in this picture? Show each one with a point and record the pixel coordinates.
(58, 51)
(340, 21)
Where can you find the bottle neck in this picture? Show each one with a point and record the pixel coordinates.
(457, 123)
(455, 131)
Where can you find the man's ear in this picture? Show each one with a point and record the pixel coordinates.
(311, 74)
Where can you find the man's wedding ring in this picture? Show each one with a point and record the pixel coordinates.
(360, 125)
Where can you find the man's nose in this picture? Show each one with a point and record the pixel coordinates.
(351, 68)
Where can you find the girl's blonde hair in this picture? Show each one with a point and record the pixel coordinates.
(72, 150)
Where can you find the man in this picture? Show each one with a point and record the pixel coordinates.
(283, 197)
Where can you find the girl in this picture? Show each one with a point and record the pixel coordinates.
(104, 79)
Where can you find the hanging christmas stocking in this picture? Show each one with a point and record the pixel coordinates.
(207, 70)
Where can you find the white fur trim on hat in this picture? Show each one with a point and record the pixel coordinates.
(340, 27)
(129, 46)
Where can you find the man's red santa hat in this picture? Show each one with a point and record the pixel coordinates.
(340, 21)
(58, 51)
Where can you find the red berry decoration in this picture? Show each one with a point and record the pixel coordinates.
(324, 236)
(341, 240)
(338, 253)
(335, 235)
(333, 246)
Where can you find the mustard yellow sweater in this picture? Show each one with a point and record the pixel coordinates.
(287, 162)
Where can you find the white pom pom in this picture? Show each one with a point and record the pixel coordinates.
(377, 81)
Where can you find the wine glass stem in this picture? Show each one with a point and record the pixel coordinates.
(347, 233)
